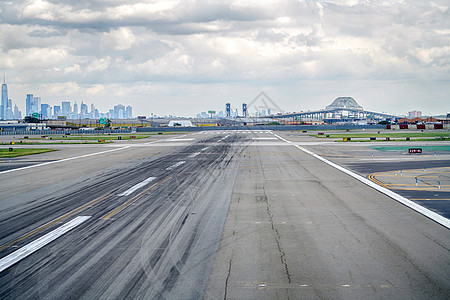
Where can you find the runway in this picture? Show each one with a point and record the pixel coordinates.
(222, 215)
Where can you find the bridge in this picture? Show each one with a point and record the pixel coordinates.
(342, 108)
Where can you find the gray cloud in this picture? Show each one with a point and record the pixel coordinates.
(205, 43)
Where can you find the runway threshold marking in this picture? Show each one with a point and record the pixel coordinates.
(135, 198)
(418, 208)
(34, 246)
(76, 210)
(61, 160)
(137, 186)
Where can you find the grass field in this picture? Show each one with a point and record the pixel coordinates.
(68, 142)
(106, 137)
(5, 153)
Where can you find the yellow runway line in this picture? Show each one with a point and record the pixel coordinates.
(135, 198)
(54, 221)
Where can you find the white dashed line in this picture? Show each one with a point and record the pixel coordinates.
(137, 186)
(32, 247)
(175, 165)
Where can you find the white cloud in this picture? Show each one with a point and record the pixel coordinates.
(95, 89)
(118, 39)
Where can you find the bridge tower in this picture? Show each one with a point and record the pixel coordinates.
(244, 110)
(228, 110)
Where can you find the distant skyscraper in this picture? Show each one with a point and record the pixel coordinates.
(4, 103)
(56, 111)
(17, 113)
(46, 111)
(36, 104)
(29, 105)
(75, 108)
(119, 111)
(83, 110)
(129, 112)
(66, 108)
(9, 113)
(35, 107)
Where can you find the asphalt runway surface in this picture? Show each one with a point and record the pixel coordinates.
(213, 215)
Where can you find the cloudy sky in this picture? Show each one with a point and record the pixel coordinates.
(184, 57)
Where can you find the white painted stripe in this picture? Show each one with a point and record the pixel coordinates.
(206, 148)
(194, 154)
(264, 138)
(179, 140)
(164, 140)
(387, 159)
(175, 165)
(137, 186)
(32, 247)
(420, 209)
(62, 160)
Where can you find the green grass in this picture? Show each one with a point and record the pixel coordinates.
(385, 135)
(405, 148)
(5, 153)
(106, 137)
(54, 143)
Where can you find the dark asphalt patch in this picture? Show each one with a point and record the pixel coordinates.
(441, 207)
(374, 167)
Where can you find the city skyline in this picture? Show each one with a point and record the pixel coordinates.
(34, 105)
(182, 57)
(46, 111)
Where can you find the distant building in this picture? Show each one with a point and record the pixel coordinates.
(129, 112)
(46, 111)
(414, 114)
(9, 113)
(56, 111)
(119, 111)
(29, 105)
(66, 109)
(17, 113)
(83, 110)
(4, 103)
(36, 104)
(75, 109)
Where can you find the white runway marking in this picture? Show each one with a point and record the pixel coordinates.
(420, 209)
(178, 140)
(32, 247)
(194, 154)
(137, 186)
(388, 159)
(265, 138)
(175, 165)
(62, 160)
